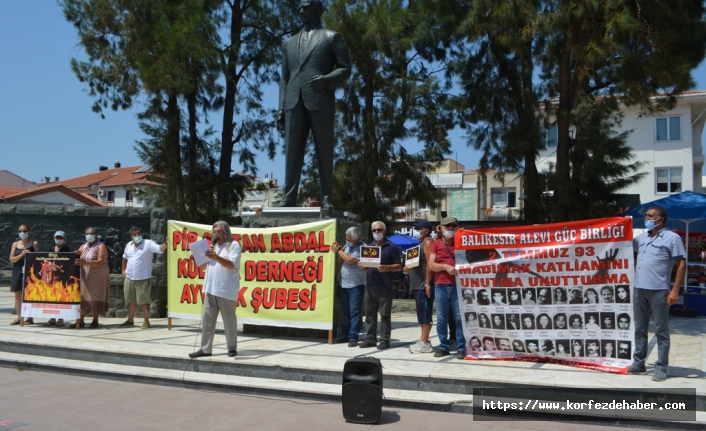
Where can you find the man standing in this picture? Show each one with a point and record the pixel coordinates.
(420, 282)
(379, 289)
(137, 272)
(442, 261)
(220, 288)
(314, 63)
(657, 252)
(352, 284)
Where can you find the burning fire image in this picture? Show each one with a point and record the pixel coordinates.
(49, 286)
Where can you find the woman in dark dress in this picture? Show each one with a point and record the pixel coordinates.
(18, 251)
(59, 247)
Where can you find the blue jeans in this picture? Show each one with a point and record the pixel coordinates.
(646, 302)
(351, 303)
(446, 304)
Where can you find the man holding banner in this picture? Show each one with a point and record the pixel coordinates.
(442, 261)
(220, 288)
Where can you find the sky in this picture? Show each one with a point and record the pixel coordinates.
(47, 128)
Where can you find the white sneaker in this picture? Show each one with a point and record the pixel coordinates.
(426, 348)
(414, 348)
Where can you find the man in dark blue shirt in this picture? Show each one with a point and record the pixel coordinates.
(379, 289)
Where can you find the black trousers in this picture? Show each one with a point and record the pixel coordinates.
(378, 299)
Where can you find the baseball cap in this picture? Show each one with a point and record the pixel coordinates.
(422, 224)
(448, 220)
(59, 233)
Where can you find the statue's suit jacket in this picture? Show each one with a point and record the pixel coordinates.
(324, 54)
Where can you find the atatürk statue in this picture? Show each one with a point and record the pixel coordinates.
(314, 63)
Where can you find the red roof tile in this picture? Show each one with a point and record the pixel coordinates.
(9, 194)
(111, 177)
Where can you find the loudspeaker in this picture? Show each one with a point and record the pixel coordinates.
(362, 390)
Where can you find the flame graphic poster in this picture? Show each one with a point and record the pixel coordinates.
(51, 286)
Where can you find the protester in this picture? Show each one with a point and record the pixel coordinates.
(657, 252)
(378, 289)
(95, 278)
(420, 281)
(352, 284)
(59, 247)
(18, 251)
(137, 273)
(220, 288)
(442, 262)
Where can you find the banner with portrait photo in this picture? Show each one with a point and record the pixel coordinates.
(557, 292)
(286, 274)
(51, 286)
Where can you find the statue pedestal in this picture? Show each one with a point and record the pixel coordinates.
(288, 216)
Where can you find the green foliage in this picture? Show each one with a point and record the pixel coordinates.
(393, 95)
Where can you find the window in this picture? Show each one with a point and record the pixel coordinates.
(667, 129)
(668, 180)
(551, 136)
(128, 198)
(111, 196)
(503, 197)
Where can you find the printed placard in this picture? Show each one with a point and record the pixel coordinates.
(51, 286)
(370, 256)
(412, 257)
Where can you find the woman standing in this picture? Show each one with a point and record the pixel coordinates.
(59, 247)
(95, 277)
(17, 258)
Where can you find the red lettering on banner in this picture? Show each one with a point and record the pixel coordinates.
(241, 297)
(187, 268)
(251, 242)
(190, 293)
(281, 298)
(299, 242)
(285, 271)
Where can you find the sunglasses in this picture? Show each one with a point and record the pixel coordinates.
(24, 231)
(377, 230)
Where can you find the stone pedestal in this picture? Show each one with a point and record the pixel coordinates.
(276, 217)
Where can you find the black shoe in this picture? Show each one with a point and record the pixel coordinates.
(232, 353)
(441, 353)
(461, 354)
(199, 353)
(353, 343)
(384, 345)
(367, 344)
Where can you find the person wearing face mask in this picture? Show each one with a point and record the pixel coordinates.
(379, 289)
(59, 247)
(352, 284)
(18, 251)
(95, 278)
(658, 250)
(137, 274)
(442, 261)
(420, 282)
(220, 288)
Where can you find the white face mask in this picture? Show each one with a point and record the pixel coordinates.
(59, 241)
(137, 239)
(417, 234)
(378, 236)
(449, 233)
(90, 238)
(23, 235)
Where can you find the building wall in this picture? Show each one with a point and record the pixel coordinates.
(686, 153)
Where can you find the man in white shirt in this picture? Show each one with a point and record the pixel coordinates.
(220, 288)
(137, 272)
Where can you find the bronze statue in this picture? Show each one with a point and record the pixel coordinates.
(314, 63)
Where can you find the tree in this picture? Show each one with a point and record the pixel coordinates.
(494, 62)
(190, 58)
(393, 95)
(632, 50)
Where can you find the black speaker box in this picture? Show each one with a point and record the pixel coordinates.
(362, 390)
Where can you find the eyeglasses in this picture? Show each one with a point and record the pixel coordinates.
(378, 230)
(24, 231)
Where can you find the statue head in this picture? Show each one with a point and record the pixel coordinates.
(310, 11)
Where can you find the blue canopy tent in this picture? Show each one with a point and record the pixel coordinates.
(403, 242)
(684, 210)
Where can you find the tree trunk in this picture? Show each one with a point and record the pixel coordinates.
(172, 153)
(562, 192)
